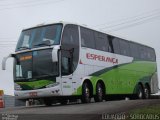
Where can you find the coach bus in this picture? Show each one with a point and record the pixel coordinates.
(62, 61)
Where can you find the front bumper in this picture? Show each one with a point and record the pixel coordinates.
(38, 93)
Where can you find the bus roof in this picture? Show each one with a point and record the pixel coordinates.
(92, 28)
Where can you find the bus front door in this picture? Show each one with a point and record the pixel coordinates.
(66, 73)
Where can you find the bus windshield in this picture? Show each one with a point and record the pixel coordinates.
(40, 36)
(35, 65)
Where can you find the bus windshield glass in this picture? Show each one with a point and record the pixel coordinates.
(35, 65)
(40, 37)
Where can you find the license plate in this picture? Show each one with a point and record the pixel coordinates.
(33, 94)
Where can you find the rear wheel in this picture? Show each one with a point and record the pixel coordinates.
(86, 93)
(146, 92)
(140, 92)
(99, 93)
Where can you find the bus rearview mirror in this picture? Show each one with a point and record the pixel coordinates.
(4, 61)
(55, 55)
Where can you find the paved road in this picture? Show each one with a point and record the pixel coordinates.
(92, 111)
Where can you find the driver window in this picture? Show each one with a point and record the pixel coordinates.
(70, 49)
(65, 66)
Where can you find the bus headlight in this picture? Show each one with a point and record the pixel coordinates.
(17, 87)
(52, 85)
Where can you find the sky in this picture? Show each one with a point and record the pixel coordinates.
(135, 20)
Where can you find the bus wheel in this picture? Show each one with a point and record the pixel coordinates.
(48, 102)
(86, 95)
(99, 93)
(140, 92)
(146, 92)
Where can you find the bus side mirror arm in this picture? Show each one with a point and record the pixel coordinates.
(5, 59)
(55, 54)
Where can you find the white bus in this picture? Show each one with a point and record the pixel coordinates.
(64, 61)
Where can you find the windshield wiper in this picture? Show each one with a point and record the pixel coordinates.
(24, 47)
(43, 44)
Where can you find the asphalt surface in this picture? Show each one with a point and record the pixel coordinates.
(75, 111)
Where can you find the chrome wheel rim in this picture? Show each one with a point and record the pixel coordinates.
(146, 92)
(87, 92)
(100, 93)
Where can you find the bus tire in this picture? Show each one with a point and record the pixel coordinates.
(99, 93)
(86, 93)
(48, 102)
(140, 92)
(146, 92)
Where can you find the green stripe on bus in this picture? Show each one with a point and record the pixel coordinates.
(124, 78)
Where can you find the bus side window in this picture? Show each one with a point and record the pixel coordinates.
(143, 52)
(87, 38)
(101, 41)
(70, 49)
(70, 36)
(134, 50)
(110, 47)
(116, 47)
(125, 48)
(66, 69)
(151, 54)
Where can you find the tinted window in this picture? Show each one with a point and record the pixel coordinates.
(37, 36)
(36, 64)
(52, 34)
(70, 35)
(66, 63)
(42, 63)
(151, 54)
(87, 38)
(101, 41)
(124, 46)
(116, 47)
(134, 50)
(70, 49)
(40, 36)
(23, 66)
(110, 47)
(25, 39)
(143, 52)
